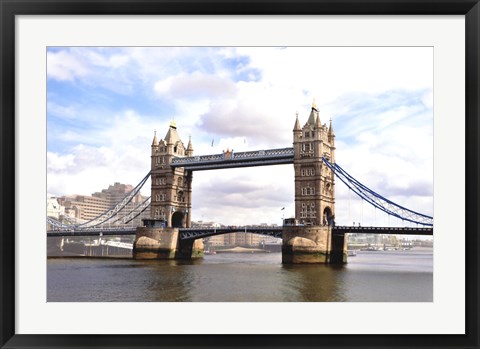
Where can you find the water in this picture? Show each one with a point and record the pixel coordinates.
(381, 276)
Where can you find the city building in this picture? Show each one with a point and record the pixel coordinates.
(84, 208)
(54, 209)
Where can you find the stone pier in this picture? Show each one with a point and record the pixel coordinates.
(313, 244)
(164, 243)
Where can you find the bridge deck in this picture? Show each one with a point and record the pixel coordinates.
(383, 230)
(196, 233)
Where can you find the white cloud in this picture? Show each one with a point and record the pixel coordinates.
(63, 65)
(194, 86)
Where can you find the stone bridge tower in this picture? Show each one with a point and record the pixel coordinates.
(314, 181)
(171, 199)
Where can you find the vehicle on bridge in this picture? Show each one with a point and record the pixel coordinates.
(292, 222)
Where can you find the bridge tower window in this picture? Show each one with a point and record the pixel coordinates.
(308, 191)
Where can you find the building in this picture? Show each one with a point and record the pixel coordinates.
(314, 181)
(54, 209)
(171, 188)
(116, 192)
(85, 208)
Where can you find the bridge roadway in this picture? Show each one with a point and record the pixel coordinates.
(195, 233)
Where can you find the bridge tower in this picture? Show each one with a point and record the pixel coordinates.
(171, 194)
(170, 204)
(312, 240)
(314, 181)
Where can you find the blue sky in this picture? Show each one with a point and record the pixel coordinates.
(103, 105)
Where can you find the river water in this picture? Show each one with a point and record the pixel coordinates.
(378, 276)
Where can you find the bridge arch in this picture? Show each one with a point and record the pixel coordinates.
(327, 216)
(178, 218)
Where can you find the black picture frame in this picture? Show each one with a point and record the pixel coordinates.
(11, 8)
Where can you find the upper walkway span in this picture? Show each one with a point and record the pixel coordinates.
(231, 159)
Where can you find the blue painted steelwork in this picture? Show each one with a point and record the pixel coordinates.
(383, 230)
(107, 215)
(234, 160)
(195, 233)
(378, 200)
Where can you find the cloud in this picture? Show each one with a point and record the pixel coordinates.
(194, 86)
(244, 196)
(64, 66)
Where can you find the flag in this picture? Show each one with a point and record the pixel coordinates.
(282, 209)
(213, 141)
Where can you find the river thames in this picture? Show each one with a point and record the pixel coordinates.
(377, 276)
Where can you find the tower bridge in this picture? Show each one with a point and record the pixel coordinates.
(313, 236)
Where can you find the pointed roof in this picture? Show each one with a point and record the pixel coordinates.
(312, 119)
(297, 125)
(318, 123)
(330, 129)
(172, 136)
(189, 147)
(155, 139)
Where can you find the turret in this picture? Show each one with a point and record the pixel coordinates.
(318, 124)
(189, 151)
(155, 142)
(331, 134)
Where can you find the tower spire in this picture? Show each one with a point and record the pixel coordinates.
(330, 129)
(318, 123)
(189, 147)
(155, 139)
(312, 119)
(297, 124)
(173, 124)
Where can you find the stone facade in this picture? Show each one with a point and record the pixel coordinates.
(164, 243)
(171, 199)
(313, 244)
(314, 181)
(310, 239)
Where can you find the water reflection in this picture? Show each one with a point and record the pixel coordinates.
(243, 278)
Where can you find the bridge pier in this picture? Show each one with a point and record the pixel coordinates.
(164, 243)
(313, 244)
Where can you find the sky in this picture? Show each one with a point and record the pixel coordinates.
(104, 104)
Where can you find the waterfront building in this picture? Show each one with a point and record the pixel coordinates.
(116, 192)
(54, 209)
(84, 207)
